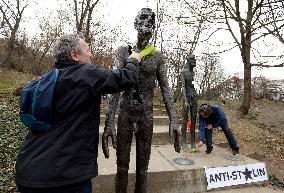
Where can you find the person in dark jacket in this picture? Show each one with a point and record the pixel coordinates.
(212, 116)
(64, 158)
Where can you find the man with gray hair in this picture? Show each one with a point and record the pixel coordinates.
(64, 158)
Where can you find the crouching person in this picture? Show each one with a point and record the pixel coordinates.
(212, 116)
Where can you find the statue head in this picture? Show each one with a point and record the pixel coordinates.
(191, 61)
(145, 23)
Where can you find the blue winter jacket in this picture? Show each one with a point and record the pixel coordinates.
(217, 119)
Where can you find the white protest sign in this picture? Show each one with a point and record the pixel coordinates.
(235, 175)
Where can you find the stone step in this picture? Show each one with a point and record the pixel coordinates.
(160, 135)
(160, 112)
(164, 174)
(158, 120)
(156, 111)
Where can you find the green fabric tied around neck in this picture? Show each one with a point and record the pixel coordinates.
(148, 50)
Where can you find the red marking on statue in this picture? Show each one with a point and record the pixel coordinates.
(188, 126)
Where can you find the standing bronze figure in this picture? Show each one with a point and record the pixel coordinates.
(189, 102)
(136, 109)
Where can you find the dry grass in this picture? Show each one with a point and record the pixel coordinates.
(260, 134)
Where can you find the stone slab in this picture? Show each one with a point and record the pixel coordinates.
(164, 175)
(156, 112)
(158, 120)
(160, 135)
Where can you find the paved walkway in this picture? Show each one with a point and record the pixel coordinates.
(250, 190)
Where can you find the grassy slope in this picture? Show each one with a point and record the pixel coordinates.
(12, 131)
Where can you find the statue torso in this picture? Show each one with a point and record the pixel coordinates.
(146, 82)
(189, 83)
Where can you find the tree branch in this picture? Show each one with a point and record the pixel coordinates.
(9, 7)
(267, 66)
(223, 50)
(76, 13)
(266, 24)
(270, 32)
(229, 26)
(5, 18)
(210, 35)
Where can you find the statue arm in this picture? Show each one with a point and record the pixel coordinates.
(121, 55)
(169, 103)
(109, 129)
(110, 114)
(182, 78)
(166, 92)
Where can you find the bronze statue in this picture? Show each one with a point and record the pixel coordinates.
(189, 102)
(136, 109)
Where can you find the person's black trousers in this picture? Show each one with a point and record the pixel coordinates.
(81, 187)
(228, 133)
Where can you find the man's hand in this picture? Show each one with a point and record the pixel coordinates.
(105, 136)
(148, 50)
(200, 144)
(137, 56)
(175, 135)
(209, 126)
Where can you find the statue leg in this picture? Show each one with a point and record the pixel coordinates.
(184, 127)
(193, 116)
(143, 151)
(124, 138)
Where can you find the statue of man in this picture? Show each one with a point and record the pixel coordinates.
(136, 109)
(189, 102)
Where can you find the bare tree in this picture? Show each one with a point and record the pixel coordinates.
(249, 30)
(197, 20)
(159, 20)
(231, 88)
(201, 18)
(175, 64)
(262, 88)
(272, 19)
(83, 16)
(210, 73)
(12, 13)
(51, 26)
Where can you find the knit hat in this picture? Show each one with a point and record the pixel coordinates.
(205, 108)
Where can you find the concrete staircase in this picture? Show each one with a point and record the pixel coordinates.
(164, 174)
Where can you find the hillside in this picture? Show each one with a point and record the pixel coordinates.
(259, 134)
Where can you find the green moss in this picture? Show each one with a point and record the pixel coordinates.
(12, 132)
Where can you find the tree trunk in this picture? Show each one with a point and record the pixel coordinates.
(177, 91)
(246, 33)
(245, 52)
(9, 51)
(247, 90)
